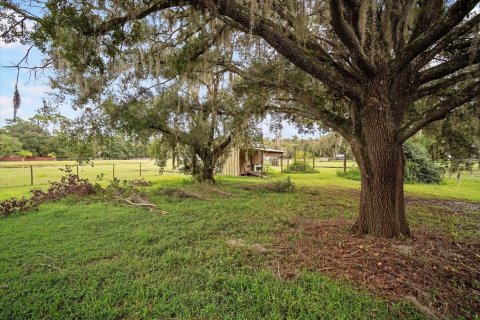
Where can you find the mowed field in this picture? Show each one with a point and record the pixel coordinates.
(20, 173)
(237, 251)
(17, 178)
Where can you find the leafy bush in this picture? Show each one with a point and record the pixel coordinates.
(352, 174)
(25, 153)
(418, 168)
(299, 167)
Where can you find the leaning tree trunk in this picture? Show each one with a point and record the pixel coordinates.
(381, 162)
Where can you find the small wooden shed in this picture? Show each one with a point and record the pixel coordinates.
(248, 161)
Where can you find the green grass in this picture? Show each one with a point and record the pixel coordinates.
(116, 262)
(94, 260)
(19, 173)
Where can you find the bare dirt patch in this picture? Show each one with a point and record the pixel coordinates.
(447, 205)
(439, 276)
(451, 206)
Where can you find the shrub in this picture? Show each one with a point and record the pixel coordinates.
(352, 174)
(299, 167)
(418, 168)
(25, 153)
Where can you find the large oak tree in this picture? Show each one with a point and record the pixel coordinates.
(366, 63)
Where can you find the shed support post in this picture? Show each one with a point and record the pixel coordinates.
(261, 164)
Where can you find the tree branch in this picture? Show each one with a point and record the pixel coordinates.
(450, 19)
(348, 37)
(448, 41)
(440, 111)
(299, 56)
(19, 11)
(444, 69)
(316, 111)
(139, 13)
(445, 83)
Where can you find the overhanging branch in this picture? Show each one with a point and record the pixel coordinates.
(455, 14)
(440, 110)
(445, 83)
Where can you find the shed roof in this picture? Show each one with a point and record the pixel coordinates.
(266, 150)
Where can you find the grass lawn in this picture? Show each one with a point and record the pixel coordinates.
(90, 260)
(19, 173)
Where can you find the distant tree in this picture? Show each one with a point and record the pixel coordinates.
(25, 153)
(32, 136)
(457, 139)
(159, 150)
(9, 145)
(202, 129)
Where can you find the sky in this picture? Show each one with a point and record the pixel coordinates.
(31, 90)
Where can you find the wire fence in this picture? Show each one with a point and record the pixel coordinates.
(33, 174)
(16, 175)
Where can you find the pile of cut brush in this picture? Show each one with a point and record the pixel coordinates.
(124, 192)
(71, 185)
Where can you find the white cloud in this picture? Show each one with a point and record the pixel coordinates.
(30, 90)
(6, 113)
(5, 101)
(6, 109)
(12, 45)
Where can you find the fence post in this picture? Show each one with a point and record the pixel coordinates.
(77, 172)
(113, 171)
(140, 169)
(305, 160)
(313, 156)
(31, 175)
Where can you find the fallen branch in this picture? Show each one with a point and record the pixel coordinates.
(138, 204)
(150, 206)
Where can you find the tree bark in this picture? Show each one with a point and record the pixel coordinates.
(174, 157)
(382, 207)
(208, 168)
(382, 165)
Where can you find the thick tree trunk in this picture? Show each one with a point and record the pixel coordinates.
(381, 161)
(208, 169)
(382, 207)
